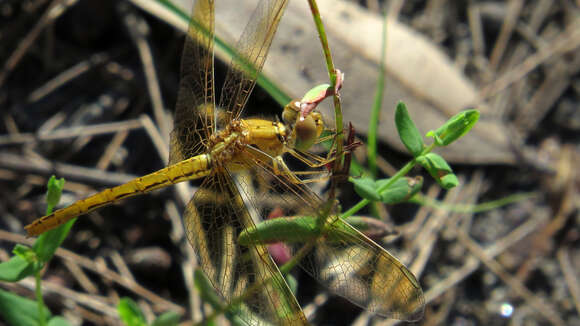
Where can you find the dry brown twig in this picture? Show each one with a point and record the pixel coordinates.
(103, 272)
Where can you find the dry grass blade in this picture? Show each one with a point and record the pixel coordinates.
(571, 275)
(103, 272)
(567, 41)
(545, 309)
(138, 29)
(95, 176)
(56, 8)
(64, 133)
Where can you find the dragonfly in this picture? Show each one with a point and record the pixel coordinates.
(243, 176)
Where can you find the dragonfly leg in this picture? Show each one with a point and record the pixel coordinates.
(312, 160)
(323, 178)
(280, 168)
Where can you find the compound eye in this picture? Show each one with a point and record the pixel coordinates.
(291, 111)
(306, 132)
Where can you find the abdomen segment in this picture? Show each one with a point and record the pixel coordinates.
(193, 168)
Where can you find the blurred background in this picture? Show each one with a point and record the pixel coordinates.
(87, 90)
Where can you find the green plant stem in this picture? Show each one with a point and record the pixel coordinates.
(378, 102)
(403, 171)
(322, 223)
(296, 258)
(481, 207)
(332, 74)
(361, 204)
(39, 300)
(375, 115)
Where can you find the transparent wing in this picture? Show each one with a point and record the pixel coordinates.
(213, 219)
(356, 268)
(194, 112)
(252, 49)
(343, 259)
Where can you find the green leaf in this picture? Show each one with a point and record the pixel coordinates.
(206, 290)
(58, 321)
(355, 168)
(25, 252)
(292, 283)
(293, 229)
(17, 310)
(439, 170)
(315, 92)
(408, 132)
(169, 318)
(130, 313)
(15, 269)
(49, 241)
(449, 181)
(401, 190)
(454, 128)
(366, 188)
(208, 295)
(284, 229)
(53, 193)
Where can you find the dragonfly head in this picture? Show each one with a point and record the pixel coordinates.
(305, 129)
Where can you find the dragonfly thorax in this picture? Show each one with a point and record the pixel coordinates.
(229, 144)
(270, 137)
(225, 143)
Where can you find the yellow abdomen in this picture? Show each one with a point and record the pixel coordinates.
(193, 168)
